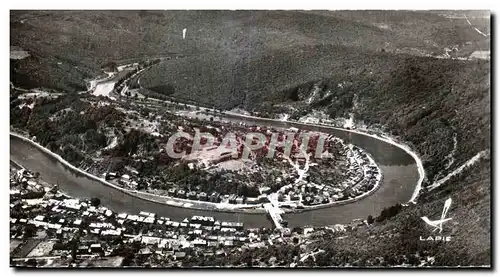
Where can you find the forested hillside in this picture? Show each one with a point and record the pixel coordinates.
(68, 46)
(388, 70)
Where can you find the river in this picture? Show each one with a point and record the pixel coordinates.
(399, 169)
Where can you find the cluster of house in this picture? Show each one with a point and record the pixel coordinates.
(362, 177)
(100, 230)
(76, 227)
(126, 181)
(371, 174)
(130, 182)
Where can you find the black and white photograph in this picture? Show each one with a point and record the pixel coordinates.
(226, 138)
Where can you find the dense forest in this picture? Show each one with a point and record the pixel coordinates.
(376, 67)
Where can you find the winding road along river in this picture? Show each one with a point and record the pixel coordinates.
(399, 169)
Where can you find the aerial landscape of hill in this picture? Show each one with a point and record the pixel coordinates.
(404, 97)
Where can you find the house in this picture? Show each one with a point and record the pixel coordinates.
(181, 193)
(172, 192)
(83, 249)
(215, 197)
(220, 252)
(122, 216)
(202, 196)
(212, 244)
(125, 178)
(111, 233)
(286, 232)
(192, 195)
(142, 213)
(71, 204)
(232, 199)
(239, 200)
(145, 251)
(265, 190)
(199, 242)
(96, 248)
(179, 255)
(133, 185)
(110, 175)
(252, 200)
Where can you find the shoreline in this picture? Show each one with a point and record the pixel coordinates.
(386, 139)
(181, 203)
(129, 192)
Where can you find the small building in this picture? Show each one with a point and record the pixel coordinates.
(240, 200)
(143, 213)
(252, 200)
(180, 255)
(202, 196)
(181, 193)
(172, 192)
(199, 242)
(215, 197)
(96, 248)
(110, 175)
(192, 195)
(125, 178)
(83, 249)
(232, 199)
(265, 190)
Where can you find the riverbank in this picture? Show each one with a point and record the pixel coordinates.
(194, 204)
(170, 201)
(386, 139)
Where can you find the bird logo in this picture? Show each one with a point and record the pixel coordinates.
(438, 224)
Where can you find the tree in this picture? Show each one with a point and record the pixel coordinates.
(31, 263)
(94, 201)
(370, 219)
(111, 66)
(30, 231)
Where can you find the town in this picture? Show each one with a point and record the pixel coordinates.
(49, 228)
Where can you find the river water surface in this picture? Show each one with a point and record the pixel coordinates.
(400, 176)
